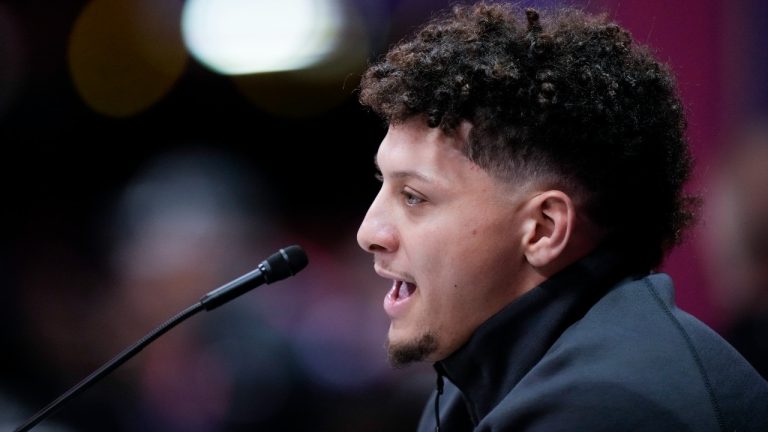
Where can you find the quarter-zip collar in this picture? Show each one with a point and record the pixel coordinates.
(504, 348)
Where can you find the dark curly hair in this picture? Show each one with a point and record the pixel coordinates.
(568, 98)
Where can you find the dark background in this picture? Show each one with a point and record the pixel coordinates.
(62, 157)
(302, 177)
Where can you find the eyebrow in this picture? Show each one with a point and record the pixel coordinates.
(405, 173)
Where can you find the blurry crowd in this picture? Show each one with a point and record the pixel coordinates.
(306, 353)
(735, 241)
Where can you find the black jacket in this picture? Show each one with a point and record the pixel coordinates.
(586, 351)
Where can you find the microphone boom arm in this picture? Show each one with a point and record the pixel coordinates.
(286, 262)
(109, 367)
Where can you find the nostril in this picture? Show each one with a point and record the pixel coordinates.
(376, 248)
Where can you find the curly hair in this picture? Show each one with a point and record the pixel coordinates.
(568, 98)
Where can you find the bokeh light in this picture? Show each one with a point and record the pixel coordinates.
(126, 55)
(317, 88)
(245, 36)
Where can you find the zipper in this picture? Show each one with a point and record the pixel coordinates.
(437, 400)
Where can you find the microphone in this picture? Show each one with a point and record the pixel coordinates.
(286, 262)
(280, 265)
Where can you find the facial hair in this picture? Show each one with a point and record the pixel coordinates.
(403, 354)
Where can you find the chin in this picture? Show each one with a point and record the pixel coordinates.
(403, 353)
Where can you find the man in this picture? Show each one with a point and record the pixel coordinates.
(532, 179)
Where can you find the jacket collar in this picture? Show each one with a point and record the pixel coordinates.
(505, 347)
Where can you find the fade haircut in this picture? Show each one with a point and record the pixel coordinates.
(569, 99)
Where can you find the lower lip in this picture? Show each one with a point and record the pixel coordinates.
(395, 307)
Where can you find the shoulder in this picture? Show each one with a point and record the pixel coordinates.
(635, 359)
(585, 405)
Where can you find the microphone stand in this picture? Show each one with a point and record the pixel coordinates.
(286, 262)
(109, 366)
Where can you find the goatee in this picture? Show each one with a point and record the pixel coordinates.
(409, 352)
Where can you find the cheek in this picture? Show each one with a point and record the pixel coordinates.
(456, 239)
(490, 254)
(459, 246)
(458, 257)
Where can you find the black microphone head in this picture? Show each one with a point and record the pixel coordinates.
(286, 262)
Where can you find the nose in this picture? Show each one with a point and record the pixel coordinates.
(377, 232)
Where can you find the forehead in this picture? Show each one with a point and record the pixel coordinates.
(438, 161)
(413, 144)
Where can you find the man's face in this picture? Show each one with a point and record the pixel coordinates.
(448, 236)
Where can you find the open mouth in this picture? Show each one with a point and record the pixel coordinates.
(401, 290)
(397, 300)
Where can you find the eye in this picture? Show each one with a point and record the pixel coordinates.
(411, 199)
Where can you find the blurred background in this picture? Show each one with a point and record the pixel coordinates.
(153, 150)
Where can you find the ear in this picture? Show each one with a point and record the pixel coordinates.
(549, 223)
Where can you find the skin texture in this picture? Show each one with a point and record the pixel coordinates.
(469, 241)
